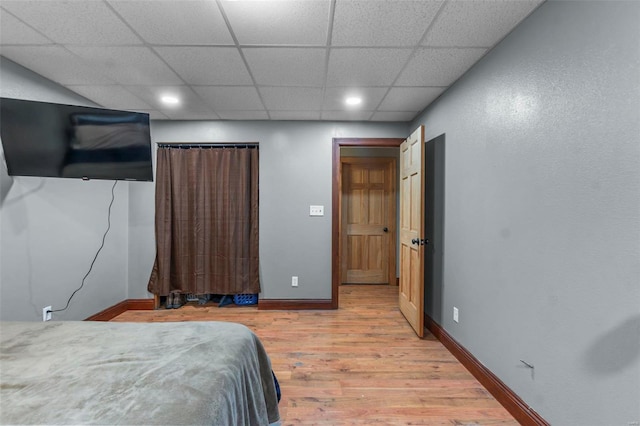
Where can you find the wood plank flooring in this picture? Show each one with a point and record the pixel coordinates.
(359, 365)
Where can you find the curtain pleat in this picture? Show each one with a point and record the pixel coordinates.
(206, 221)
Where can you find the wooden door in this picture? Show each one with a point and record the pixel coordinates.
(411, 299)
(368, 220)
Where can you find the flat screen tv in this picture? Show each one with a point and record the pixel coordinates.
(55, 140)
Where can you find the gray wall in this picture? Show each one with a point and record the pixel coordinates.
(542, 211)
(295, 172)
(50, 229)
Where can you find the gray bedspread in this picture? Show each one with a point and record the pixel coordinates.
(196, 373)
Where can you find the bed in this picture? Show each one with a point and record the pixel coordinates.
(88, 373)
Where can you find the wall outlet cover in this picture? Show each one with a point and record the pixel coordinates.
(46, 313)
(316, 210)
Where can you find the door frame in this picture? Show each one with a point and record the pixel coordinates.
(336, 179)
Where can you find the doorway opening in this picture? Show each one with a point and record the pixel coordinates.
(368, 215)
(337, 179)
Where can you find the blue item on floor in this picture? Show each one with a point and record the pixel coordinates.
(245, 299)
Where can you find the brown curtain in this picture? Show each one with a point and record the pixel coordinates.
(206, 221)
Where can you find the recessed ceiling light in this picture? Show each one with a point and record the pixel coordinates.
(353, 100)
(170, 100)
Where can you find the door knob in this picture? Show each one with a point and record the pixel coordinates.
(420, 241)
(385, 229)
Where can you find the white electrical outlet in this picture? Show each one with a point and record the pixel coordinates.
(455, 314)
(46, 313)
(294, 281)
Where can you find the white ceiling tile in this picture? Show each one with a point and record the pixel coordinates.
(55, 63)
(394, 116)
(243, 115)
(439, 67)
(477, 23)
(154, 115)
(190, 114)
(382, 23)
(74, 22)
(288, 22)
(298, 98)
(286, 66)
(410, 98)
(346, 115)
(133, 65)
(365, 67)
(175, 22)
(295, 115)
(115, 97)
(206, 65)
(151, 95)
(230, 98)
(334, 97)
(14, 31)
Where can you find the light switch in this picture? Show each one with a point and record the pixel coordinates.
(316, 210)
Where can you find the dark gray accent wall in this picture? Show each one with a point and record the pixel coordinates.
(434, 176)
(50, 229)
(542, 211)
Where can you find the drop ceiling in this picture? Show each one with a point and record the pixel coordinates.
(257, 60)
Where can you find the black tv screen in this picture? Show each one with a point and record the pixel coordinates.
(56, 140)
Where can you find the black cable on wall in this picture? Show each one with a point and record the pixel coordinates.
(104, 236)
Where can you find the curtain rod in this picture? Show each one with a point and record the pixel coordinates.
(207, 145)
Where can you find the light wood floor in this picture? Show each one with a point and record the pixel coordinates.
(359, 365)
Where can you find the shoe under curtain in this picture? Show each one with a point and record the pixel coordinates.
(206, 220)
